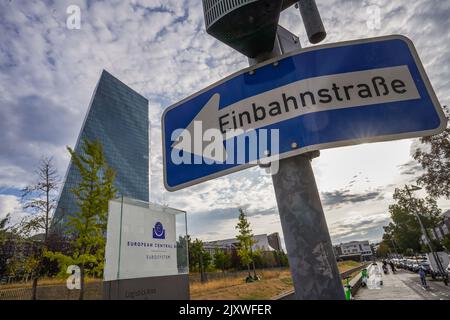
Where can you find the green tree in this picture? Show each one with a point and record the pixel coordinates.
(87, 226)
(264, 259)
(222, 260)
(207, 261)
(435, 160)
(200, 258)
(9, 263)
(245, 238)
(284, 262)
(409, 252)
(281, 258)
(404, 229)
(383, 250)
(25, 258)
(4, 228)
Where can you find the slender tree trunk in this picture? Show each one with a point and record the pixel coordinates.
(85, 248)
(253, 263)
(34, 286)
(248, 268)
(47, 209)
(202, 270)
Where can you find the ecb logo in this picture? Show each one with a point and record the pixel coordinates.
(158, 231)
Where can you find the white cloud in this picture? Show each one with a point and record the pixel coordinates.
(11, 205)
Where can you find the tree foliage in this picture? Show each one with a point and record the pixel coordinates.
(199, 258)
(383, 250)
(436, 162)
(39, 201)
(4, 228)
(404, 230)
(245, 238)
(281, 258)
(222, 260)
(87, 226)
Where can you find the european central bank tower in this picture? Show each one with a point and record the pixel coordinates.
(118, 118)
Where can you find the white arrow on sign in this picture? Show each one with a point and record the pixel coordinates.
(345, 90)
(192, 139)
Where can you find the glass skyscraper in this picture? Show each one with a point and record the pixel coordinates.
(118, 118)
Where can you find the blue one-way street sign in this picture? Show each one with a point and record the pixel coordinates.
(321, 97)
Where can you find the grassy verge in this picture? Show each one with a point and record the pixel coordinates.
(347, 265)
(42, 282)
(272, 284)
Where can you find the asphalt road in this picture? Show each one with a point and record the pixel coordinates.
(436, 289)
(404, 285)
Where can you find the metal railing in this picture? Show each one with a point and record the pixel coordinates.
(16, 294)
(289, 295)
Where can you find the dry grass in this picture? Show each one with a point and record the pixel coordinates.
(198, 287)
(347, 265)
(42, 282)
(273, 283)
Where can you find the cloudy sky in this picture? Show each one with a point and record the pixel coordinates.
(160, 48)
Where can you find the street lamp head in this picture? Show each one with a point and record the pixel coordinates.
(248, 26)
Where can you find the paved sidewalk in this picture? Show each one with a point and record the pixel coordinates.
(403, 285)
(393, 288)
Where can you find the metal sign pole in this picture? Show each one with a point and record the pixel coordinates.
(311, 258)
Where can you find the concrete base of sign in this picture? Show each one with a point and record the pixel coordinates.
(175, 287)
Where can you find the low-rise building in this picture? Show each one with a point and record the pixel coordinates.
(354, 250)
(263, 242)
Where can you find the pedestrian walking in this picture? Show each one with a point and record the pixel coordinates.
(422, 275)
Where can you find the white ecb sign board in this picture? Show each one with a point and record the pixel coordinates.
(141, 241)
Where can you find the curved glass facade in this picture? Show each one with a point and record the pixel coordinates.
(118, 118)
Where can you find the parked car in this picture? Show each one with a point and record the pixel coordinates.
(396, 262)
(415, 267)
(402, 264)
(409, 264)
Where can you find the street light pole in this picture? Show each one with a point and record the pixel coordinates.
(395, 248)
(425, 235)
